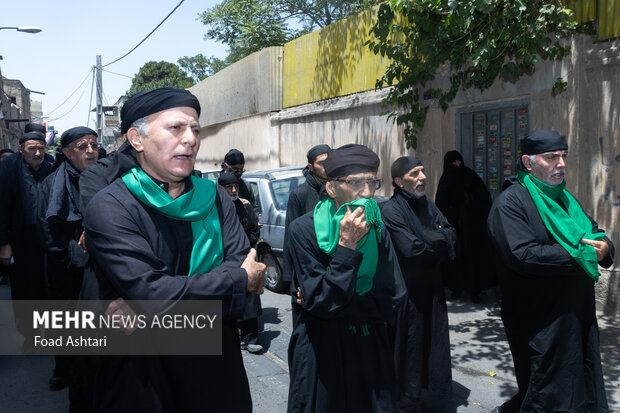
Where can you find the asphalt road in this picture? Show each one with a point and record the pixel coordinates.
(482, 367)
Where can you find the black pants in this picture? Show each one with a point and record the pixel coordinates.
(249, 330)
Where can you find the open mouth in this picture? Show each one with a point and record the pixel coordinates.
(183, 157)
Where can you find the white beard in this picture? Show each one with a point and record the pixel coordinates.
(234, 197)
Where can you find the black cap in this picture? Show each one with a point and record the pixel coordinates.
(403, 165)
(315, 151)
(147, 102)
(73, 134)
(31, 136)
(234, 157)
(34, 127)
(542, 141)
(350, 159)
(228, 178)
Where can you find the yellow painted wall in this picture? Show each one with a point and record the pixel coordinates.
(605, 12)
(330, 62)
(608, 19)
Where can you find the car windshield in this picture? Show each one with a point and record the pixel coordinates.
(281, 189)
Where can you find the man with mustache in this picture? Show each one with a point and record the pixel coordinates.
(20, 176)
(424, 242)
(548, 252)
(61, 227)
(161, 233)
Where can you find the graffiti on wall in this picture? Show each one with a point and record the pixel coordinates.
(608, 161)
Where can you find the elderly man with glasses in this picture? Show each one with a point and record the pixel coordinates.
(348, 288)
(20, 176)
(424, 242)
(61, 229)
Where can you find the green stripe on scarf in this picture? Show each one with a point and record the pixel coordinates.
(197, 206)
(567, 228)
(327, 228)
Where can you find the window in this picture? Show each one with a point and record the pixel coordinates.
(254, 189)
(282, 189)
(490, 140)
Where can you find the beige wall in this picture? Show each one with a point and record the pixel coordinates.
(254, 136)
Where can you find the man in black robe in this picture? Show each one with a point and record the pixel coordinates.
(340, 354)
(60, 227)
(234, 162)
(5, 269)
(248, 324)
(20, 176)
(424, 242)
(141, 254)
(465, 201)
(547, 255)
(304, 198)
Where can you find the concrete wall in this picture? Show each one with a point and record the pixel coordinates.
(588, 113)
(253, 135)
(249, 87)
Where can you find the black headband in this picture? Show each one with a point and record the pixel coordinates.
(73, 134)
(315, 151)
(542, 141)
(34, 127)
(147, 102)
(350, 159)
(403, 165)
(234, 157)
(31, 136)
(228, 178)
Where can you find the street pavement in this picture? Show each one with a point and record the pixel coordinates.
(482, 371)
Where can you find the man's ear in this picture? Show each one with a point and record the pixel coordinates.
(310, 167)
(398, 181)
(330, 187)
(134, 138)
(65, 150)
(527, 162)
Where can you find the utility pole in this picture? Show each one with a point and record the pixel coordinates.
(99, 100)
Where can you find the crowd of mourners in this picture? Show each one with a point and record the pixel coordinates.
(367, 279)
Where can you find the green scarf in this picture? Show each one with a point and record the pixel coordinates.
(327, 228)
(197, 206)
(567, 228)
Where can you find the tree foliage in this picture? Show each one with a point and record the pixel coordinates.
(200, 67)
(247, 26)
(154, 75)
(478, 40)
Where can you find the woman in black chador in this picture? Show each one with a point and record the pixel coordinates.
(464, 199)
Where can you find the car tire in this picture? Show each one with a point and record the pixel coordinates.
(273, 273)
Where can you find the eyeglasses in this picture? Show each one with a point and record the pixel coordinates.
(357, 184)
(238, 170)
(84, 147)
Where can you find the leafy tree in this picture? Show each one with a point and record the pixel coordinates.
(200, 67)
(154, 75)
(478, 40)
(247, 26)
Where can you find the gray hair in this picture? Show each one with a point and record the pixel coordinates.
(142, 125)
(532, 158)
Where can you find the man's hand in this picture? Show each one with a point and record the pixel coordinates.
(353, 227)
(120, 308)
(256, 273)
(601, 248)
(300, 299)
(6, 252)
(82, 243)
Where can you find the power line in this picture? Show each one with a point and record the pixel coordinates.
(118, 74)
(71, 110)
(152, 31)
(72, 93)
